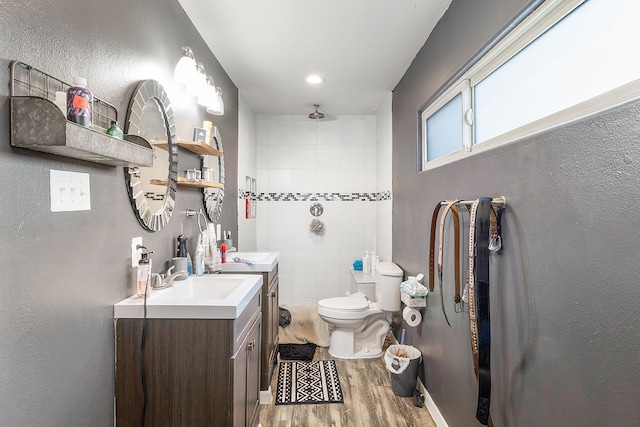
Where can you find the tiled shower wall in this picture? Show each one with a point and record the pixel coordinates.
(334, 162)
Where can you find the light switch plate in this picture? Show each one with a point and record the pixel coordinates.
(135, 252)
(70, 191)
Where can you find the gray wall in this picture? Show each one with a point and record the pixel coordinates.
(62, 272)
(564, 292)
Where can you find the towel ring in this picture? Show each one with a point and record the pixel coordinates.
(316, 209)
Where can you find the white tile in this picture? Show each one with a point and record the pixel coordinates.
(329, 286)
(371, 213)
(262, 130)
(370, 130)
(353, 213)
(280, 213)
(328, 156)
(330, 181)
(262, 180)
(352, 131)
(353, 236)
(285, 260)
(332, 235)
(262, 157)
(279, 238)
(329, 132)
(305, 157)
(285, 286)
(304, 131)
(304, 285)
(280, 131)
(286, 301)
(280, 181)
(370, 237)
(304, 180)
(280, 156)
(371, 181)
(305, 261)
(302, 238)
(301, 214)
(262, 236)
(347, 284)
(351, 181)
(371, 156)
(353, 157)
(328, 261)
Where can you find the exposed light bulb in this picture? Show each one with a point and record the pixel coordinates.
(198, 83)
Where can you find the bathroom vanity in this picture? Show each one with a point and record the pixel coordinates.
(266, 265)
(201, 355)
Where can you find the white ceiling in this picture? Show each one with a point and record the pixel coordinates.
(360, 47)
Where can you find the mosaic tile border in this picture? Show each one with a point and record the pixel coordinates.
(314, 197)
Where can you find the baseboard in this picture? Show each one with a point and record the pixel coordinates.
(431, 406)
(265, 396)
(428, 401)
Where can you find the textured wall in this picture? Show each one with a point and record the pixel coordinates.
(564, 292)
(62, 272)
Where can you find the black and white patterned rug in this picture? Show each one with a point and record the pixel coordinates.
(308, 382)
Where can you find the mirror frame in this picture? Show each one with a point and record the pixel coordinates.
(212, 198)
(147, 91)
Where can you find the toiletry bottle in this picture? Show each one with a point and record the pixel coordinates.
(223, 252)
(374, 261)
(200, 260)
(79, 102)
(366, 263)
(143, 284)
(115, 130)
(189, 264)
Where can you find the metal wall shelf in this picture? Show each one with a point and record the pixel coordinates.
(38, 124)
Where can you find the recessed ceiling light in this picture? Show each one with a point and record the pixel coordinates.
(314, 79)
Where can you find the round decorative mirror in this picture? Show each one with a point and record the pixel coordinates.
(152, 190)
(213, 197)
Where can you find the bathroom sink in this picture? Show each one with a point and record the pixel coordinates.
(207, 297)
(262, 261)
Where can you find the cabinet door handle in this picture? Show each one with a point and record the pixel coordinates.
(251, 345)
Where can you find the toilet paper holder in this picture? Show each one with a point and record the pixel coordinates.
(411, 301)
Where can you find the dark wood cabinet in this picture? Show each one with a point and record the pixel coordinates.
(198, 372)
(270, 324)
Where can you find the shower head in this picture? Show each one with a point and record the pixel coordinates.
(316, 114)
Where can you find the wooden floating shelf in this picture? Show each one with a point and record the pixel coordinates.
(184, 181)
(197, 147)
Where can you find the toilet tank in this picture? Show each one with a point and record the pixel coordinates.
(389, 278)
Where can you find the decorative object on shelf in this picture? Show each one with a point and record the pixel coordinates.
(38, 122)
(192, 73)
(80, 103)
(115, 130)
(213, 197)
(199, 135)
(152, 190)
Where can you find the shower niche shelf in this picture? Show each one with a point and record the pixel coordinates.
(38, 124)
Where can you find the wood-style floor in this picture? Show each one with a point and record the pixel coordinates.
(369, 401)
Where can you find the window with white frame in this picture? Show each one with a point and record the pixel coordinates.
(566, 60)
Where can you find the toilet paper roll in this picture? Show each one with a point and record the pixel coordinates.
(411, 316)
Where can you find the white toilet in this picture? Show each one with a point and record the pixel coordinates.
(361, 321)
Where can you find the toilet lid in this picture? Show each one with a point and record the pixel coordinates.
(345, 303)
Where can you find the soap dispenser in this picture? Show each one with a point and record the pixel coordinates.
(184, 253)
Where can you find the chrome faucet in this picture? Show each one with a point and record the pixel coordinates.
(162, 281)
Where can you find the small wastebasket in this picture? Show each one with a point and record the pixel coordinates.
(402, 362)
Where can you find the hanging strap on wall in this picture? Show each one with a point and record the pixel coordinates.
(483, 221)
(449, 206)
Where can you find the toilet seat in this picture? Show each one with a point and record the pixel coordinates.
(347, 307)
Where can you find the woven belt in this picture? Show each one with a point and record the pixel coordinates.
(449, 205)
